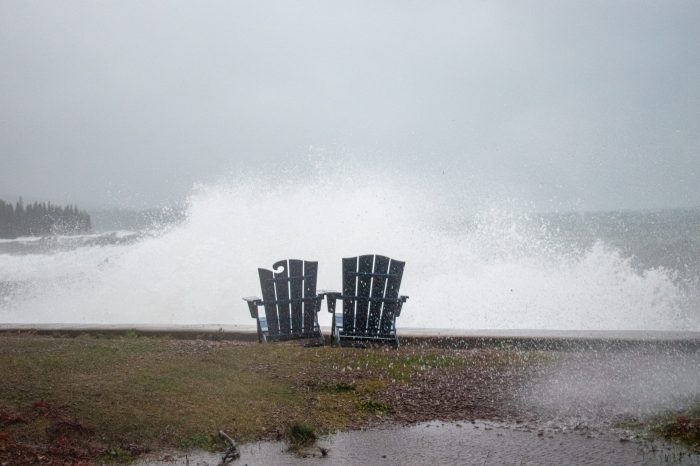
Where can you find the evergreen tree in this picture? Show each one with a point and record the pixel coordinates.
(41, 219)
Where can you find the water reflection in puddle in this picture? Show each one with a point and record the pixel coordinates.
(457, 443)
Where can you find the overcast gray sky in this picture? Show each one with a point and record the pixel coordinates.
(570, 104)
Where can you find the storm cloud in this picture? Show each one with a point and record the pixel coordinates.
(569, 105)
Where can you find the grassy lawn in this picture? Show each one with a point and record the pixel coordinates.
(96, 399)
(88, 398)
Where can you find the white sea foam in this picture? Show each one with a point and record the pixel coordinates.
(497, 270)
(21, 239)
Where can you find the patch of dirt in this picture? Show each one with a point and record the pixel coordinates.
(7, 418)
(476, 391)
(46, 436)
(484, 384)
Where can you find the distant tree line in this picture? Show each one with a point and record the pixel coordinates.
(41, 219)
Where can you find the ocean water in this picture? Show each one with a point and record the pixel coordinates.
(470, 265)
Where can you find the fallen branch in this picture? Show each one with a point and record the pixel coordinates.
(232, 453)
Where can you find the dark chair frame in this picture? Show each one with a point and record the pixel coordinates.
(290, 302)
(371, 301)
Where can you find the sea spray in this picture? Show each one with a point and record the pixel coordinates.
(493, 267)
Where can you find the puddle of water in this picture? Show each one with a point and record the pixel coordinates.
(457, 443)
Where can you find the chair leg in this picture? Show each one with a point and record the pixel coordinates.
(332, 328)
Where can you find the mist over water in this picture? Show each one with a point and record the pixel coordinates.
(470, 264)
(609, 385)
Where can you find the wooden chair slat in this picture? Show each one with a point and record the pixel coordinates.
(268, 292)
(296, 290)
(368, 299)
(288, 301)
(310, 309)
(381, 266)
(364, 284)
(282, 291)
(289, 279)
(391, 293)
(349, 289)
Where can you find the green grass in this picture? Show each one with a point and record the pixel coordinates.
(374, 406)
(337, 387)
(682, 427)
(116, 456)
(299, 435)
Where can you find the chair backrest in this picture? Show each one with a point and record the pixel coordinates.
(289, 297)
(370, 294)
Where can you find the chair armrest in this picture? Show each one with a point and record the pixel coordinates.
(253, 303)
(318, 301)
(402, 299)
(331, 297)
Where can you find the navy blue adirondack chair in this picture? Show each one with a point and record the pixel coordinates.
(371, 300)
(290, 302)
